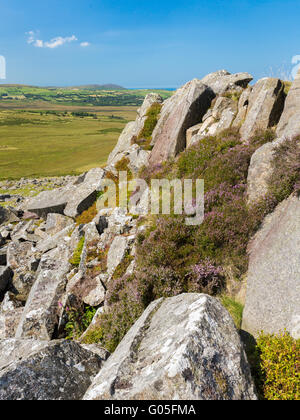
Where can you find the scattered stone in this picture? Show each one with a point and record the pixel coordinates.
(61, 370)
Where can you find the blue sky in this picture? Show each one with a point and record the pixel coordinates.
(157, 43)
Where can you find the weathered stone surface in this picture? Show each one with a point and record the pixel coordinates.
(133, 129)
(222, 81)
(179, 113)
(182, 348)
(42, 311)
(6, 216)
(3, 256)
(18, 256)
(70, 200)
(222, 116)
(89, 290)
(242, 108)
(273, 288)
(56, 222)
(52, 242)
(136, 156)
(117, 252)
(266, 102)
(10, 314)
(60, 370)
(5, 277)
(260, 170)
(289, 122)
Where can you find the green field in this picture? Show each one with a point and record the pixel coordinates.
(39, 143)
(24, 96)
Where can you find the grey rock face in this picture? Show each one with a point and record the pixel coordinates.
(56, 222)
(5, 276)
(289, 122)
(10, 315)
(273, 288)
(41, 312)
(222, 81)
(133, 129)
(6, 216)
(60, 370)
(222, 116)
(266, 102)
(179, 113)
(182, 348)
(117, 252)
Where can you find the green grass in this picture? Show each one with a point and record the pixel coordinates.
(35, 145)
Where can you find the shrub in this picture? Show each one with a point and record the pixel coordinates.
(278, 370)
(79, 320)
(125, 308)
(88, 215)
(75, 260)
(205, 277)
(151, 121)
(285, 178)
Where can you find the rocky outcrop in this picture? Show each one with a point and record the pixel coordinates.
(273, 288)
(70, 200)
(133, 129)
(222, 81)
(178, 350)
(218, 119)
(36, 370)
(266, 102)
(289, 122)
(179, 113)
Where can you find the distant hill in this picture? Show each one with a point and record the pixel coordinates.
(96, 87)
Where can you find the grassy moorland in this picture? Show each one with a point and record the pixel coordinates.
(38, 143)
(60, 131)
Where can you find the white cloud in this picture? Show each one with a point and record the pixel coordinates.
(85, 44)
(53, 43)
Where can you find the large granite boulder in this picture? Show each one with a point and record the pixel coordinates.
(273, 288)
(289, 122)
(260, 167)
(266, 102)
(222, 81)
(182, 348)
(179, 113)
(37, 370)
(133, 129)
